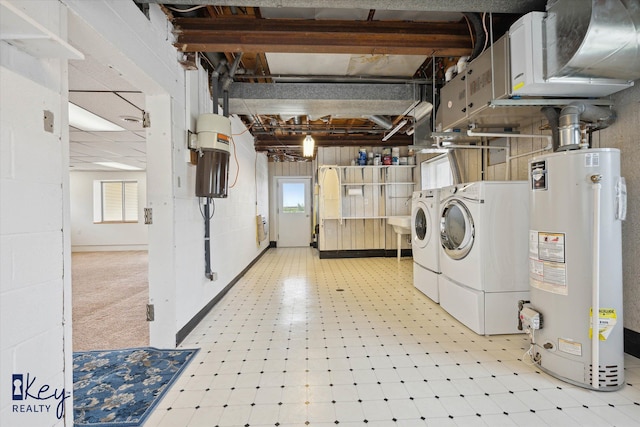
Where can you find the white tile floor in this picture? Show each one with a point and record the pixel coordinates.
(301, 341)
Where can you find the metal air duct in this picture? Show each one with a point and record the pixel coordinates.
(381, 121)
(594, 38)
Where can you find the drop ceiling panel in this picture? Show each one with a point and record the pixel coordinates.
(136, 98)
(126, 136)
(93, 75)
(105, 148)
(109, 106)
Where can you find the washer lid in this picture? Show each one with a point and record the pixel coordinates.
(457, 231)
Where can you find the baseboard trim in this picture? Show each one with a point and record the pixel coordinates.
(191, 324)
(364, 253)
(632, 342)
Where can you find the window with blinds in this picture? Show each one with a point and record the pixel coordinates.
(119, 201)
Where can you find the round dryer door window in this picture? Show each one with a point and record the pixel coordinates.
(456, 229)
(420, 225)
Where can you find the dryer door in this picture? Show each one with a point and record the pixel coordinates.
(457, 232)
(421, 226)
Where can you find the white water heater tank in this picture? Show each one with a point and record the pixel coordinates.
(577, 202)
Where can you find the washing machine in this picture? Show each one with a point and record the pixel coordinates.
(484, 254)
(425, 242)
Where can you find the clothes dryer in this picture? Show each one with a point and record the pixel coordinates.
(484, 253)
(425, 242)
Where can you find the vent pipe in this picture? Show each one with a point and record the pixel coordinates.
(553, 117)
(576, 112)
(381, 121)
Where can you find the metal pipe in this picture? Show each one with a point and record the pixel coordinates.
(381, 121)
(573, 114)
(508, 135)
(540, 150)
(207, 239)
(214, 91)
(552, 114)
(595, 290)
(225, 103)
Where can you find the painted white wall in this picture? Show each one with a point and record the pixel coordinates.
(141, 49)
(34, 182)
(88, 236)
(35, 286)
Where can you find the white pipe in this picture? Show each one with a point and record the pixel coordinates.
(507, 157)
(508, 135)
(595, 295)
(394, 130)
(540, 150)
(475, 147)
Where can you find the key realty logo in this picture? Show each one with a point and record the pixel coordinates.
(29, 396)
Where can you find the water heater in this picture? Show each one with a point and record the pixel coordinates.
(577, 202)
(213, 133)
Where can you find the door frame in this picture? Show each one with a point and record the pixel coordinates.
(277, 181)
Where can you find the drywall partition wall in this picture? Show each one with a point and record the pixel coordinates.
(35, 286)
(86, 235)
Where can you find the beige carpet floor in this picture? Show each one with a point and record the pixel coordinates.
(110, 294)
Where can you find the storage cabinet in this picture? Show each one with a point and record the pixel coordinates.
(368, 195)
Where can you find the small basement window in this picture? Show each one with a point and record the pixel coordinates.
(115, 202)
(436, 172)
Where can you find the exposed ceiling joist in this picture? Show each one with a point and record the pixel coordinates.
(247, 34)
(495, 6)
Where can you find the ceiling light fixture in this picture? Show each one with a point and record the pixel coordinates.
(307, 146)
(116, 165)
(131, 119)
(394, 130)
(85, 120)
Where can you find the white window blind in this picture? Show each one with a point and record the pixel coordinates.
(118, 201)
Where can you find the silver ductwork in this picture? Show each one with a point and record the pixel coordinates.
(571, 117)
(593, 38)
(381, 121)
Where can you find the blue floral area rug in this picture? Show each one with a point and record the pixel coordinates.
(121, 387)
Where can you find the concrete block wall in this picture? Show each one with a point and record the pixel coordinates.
(35, 243)
(34, 275)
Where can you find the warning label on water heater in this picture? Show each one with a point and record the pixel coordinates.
(607, 319)
(547, 267)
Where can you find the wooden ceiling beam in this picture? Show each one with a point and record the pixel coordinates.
(247, 34)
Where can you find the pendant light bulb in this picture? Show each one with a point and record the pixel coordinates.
(308, 146)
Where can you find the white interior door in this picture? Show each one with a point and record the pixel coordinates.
(294, 212)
